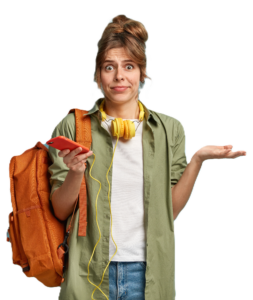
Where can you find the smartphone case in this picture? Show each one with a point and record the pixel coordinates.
(62, 143)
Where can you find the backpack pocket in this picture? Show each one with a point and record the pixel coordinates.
(18, 255)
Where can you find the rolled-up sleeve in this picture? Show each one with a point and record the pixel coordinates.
(58, 169)
(179, 161)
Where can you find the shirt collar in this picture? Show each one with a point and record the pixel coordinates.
(148, 114)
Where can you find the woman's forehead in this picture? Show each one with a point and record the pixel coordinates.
(117, 54)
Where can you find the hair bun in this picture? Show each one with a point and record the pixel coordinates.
(135, 28)
(120, 19)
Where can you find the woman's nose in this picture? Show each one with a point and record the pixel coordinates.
(119, 75)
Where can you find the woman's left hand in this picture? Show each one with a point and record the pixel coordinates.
(210, 152)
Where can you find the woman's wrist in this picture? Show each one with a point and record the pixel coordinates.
(196, 159)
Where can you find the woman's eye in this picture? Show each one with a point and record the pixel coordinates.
(130, 66)
(108, 67)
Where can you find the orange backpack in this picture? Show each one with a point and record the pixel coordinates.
(38, 238)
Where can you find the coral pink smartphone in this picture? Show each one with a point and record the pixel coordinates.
(62, 143)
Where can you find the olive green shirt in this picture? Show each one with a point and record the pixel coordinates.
(164, 162)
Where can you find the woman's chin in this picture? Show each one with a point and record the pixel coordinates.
(119, 97)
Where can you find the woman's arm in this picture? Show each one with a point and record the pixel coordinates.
(63, 198)
(182, 190)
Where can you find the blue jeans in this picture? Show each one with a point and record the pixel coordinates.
(127, 280)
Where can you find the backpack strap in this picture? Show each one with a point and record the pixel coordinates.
(83, 137)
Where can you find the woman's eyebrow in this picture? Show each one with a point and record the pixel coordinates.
(126, 60)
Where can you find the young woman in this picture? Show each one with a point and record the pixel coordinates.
(142, 181)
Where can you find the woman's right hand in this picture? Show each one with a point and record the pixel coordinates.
(75, 163)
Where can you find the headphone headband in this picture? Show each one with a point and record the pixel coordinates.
(141, 115)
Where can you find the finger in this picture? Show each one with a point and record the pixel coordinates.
(226, 151)
(63, 153)
(74, 152)
(81, 163)
(85, 155)
(235, 154)
(80, 157)
(228, 147)
(78, 166)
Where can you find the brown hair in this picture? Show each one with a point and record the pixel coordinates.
(126, 33)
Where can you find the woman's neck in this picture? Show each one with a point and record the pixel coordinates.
(126, 110)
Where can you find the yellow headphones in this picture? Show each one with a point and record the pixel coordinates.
(122, 128)
(119, 129)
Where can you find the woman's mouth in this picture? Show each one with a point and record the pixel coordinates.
(119, 88)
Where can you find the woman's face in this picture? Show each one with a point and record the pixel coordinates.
(118, 70)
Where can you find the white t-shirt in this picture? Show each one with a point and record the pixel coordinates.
(127, 204)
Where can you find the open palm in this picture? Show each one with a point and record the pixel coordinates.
(210, 152)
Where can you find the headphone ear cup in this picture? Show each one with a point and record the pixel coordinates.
(129, 129)
(126, 130)
(117, 127)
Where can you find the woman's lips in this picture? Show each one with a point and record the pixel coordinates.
(120, 89)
